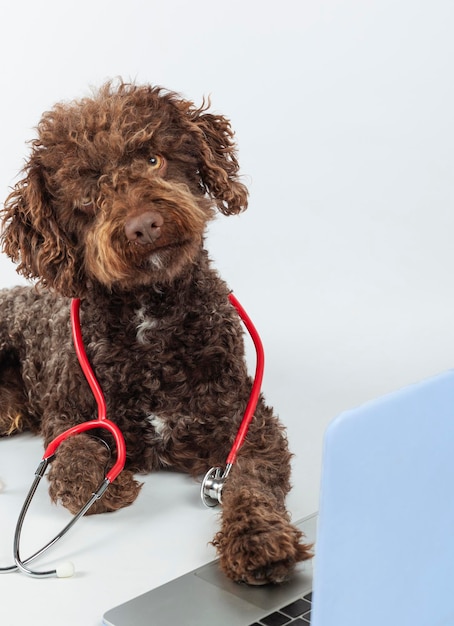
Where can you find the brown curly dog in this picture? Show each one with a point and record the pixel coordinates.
(112, 209)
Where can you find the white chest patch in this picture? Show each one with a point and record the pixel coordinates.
(160, 426)
(144, 323)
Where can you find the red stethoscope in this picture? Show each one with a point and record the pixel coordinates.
(213, 482)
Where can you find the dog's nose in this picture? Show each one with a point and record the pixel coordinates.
(144, 228)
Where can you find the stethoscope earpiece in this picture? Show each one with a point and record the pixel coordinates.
(65, 570)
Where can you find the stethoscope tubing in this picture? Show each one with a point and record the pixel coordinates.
(257, 384)
(212, 484)
(214, 480)
(51, 450)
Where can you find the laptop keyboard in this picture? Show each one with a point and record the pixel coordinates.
(298, 612)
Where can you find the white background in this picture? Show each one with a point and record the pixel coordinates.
(344, 260)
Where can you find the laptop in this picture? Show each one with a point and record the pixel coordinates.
(384, 533)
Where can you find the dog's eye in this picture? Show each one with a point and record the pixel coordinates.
(156, 161)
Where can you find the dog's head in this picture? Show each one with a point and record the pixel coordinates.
(118, 189)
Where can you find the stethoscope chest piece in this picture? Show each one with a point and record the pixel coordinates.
(212, 485)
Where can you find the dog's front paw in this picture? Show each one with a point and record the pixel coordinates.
(120, 493)
(79, 469)
(260, 552)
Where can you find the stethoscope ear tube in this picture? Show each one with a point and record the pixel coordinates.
(22, 565)
(65, 569)
(38, 475)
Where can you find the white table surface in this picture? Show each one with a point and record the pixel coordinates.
(167, 530)
(117, 555)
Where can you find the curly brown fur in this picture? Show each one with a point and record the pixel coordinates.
(112, 208)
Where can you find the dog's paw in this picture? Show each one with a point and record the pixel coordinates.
(120, 493)
(79, 469)
(261, 553)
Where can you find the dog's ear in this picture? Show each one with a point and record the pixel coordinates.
(218, 166)
(32, 238)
